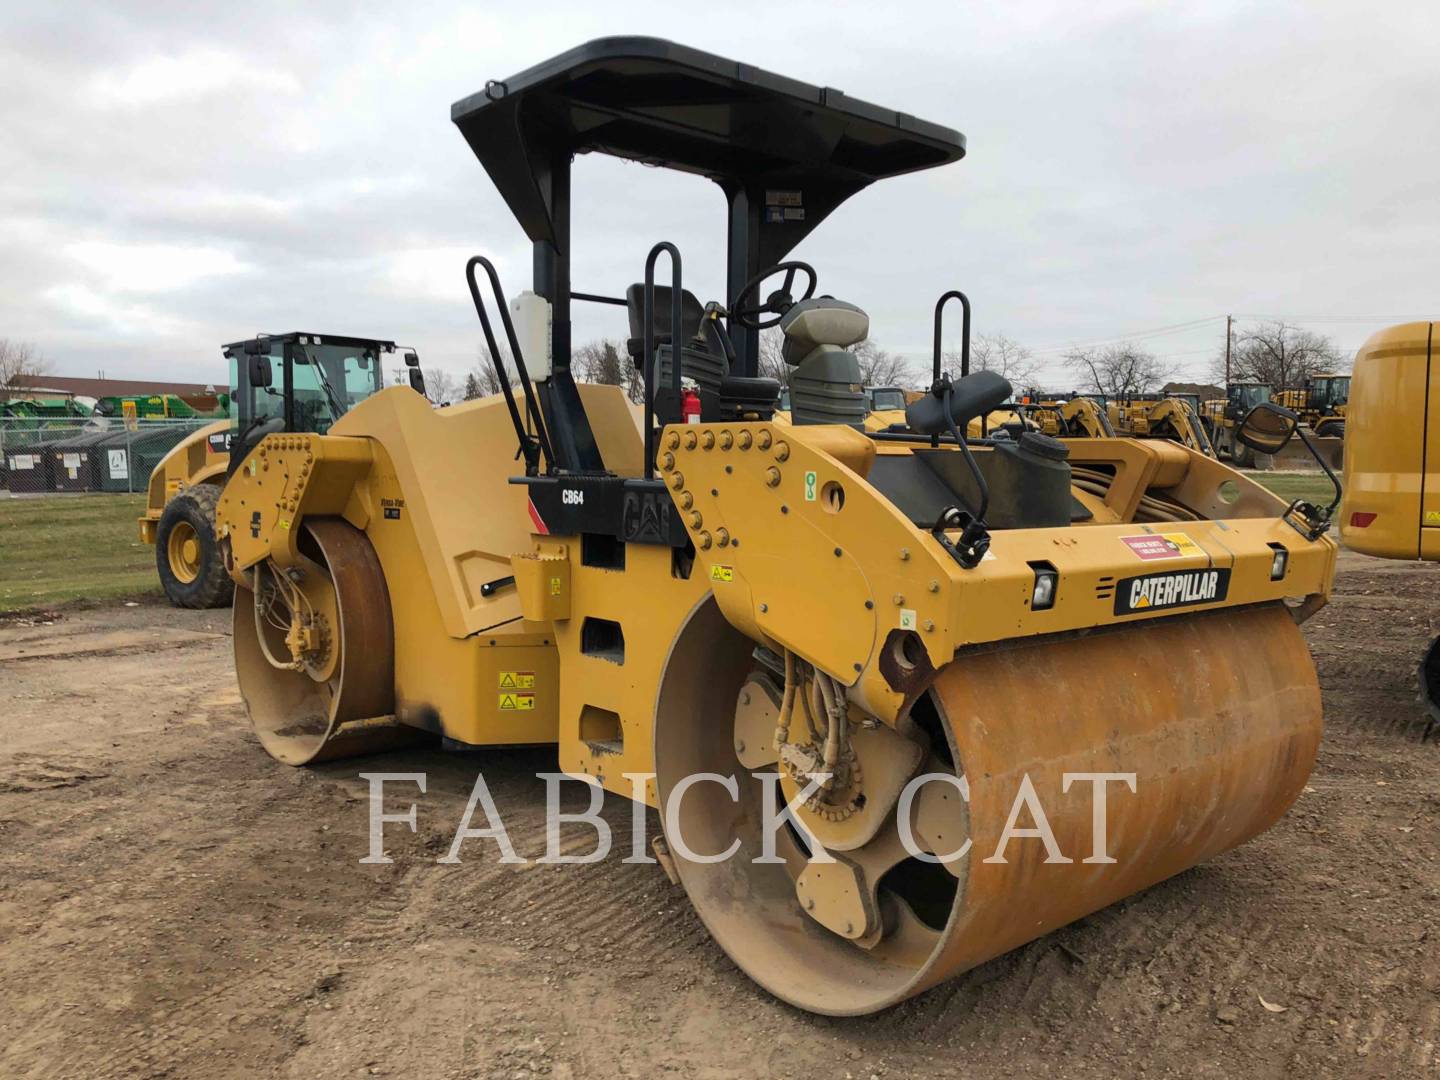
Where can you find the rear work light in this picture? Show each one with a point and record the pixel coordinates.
(1047, 582)
(1279, 559)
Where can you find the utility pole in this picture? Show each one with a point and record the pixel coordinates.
(1228, 320)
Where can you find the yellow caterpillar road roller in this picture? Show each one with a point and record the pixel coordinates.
(1392, 496)
(896, 634)
(320, 377)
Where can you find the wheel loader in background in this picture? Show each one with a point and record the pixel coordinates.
(719, 597)
(1222, 416)
(321, 376)
(1392, 496)
(1321, 404)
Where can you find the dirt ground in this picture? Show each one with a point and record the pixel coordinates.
(174, 903)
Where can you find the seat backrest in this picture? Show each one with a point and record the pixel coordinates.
(822, 320)
(690, 315)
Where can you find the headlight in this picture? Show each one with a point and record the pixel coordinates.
(1279, 559)
(1047, 581)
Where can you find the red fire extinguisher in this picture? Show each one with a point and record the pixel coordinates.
(690, 406)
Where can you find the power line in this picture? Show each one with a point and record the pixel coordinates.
(1335, 318)
(1139, 335)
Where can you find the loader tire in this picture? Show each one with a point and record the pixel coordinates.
(187, 555)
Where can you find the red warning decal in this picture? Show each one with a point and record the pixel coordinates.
(1162, 546)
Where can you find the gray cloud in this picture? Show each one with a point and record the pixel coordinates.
(179, 174)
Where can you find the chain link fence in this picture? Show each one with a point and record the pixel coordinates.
(40, 454)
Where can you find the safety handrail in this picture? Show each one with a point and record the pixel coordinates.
(954, 294)
(531, 447)
(650, 357)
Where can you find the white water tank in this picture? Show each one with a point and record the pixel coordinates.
(531, 316)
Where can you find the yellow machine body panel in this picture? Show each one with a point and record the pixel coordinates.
(1392, 458)
(818, 547)
(467, 665)
(200, 458)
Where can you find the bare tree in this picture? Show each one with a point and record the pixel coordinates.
(19, 358)
(1000, 354)
(1117, 371)
(880, 367)
(604, 362)
(772, 363)
(484, 374)
(441, 386)
(472, 387)
(1280, 355)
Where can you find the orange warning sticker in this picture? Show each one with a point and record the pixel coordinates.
(1162, 546)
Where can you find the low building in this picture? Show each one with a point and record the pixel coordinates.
(66, 386)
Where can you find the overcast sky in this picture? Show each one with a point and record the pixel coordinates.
(180, 173)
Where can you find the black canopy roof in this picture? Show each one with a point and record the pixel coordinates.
(664, 104)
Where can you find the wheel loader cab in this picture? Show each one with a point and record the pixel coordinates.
(722, 594)
(298, 383)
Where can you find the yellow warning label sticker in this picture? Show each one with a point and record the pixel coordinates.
(517, 702)
(283, 523)
(554, 586)
(1162, 546)
(1432, 517)
(517, 680)
(722, 573)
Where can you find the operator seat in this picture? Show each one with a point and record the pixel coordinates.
(826, 386)
(702, 358)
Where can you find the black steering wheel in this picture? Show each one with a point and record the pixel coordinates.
(777, 303)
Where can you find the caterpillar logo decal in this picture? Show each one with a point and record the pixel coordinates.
(1178, 588)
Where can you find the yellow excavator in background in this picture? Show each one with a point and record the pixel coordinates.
(1392, 495)
(1078, 416)
(893, 636)
(1157, 416)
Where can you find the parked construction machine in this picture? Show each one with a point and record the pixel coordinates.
(1392, 493)
(1321, 403)
(893, 634)
(321, 377)
(1222, 416)
(1062, 417)
(1161, 416)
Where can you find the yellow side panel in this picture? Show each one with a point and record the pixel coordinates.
(607, 707)
(498, 687)
(1386, 444)
(452, 468)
